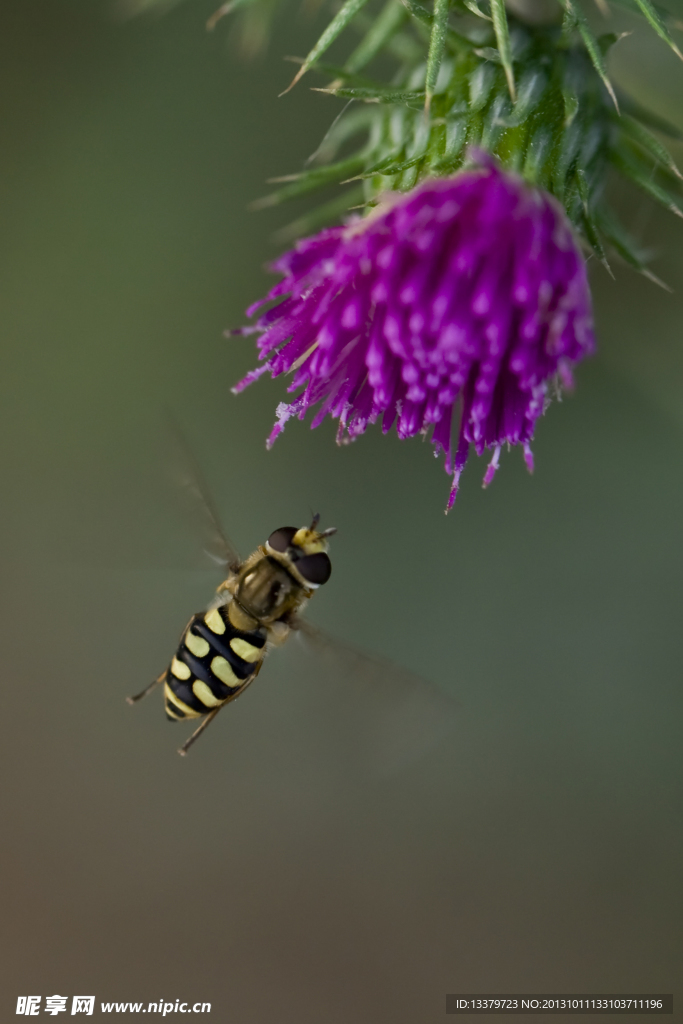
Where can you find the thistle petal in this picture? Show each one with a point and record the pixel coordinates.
(468, 291)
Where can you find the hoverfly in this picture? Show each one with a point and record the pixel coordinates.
(256, 608)
(222, 650)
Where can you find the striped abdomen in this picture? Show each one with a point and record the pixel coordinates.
(212, 664)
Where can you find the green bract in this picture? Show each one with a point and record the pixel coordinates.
(471, 74)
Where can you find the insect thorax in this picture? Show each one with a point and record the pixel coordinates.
(267, 590)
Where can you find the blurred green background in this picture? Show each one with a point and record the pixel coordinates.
(539, 847)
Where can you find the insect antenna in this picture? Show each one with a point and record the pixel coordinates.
(314, 526)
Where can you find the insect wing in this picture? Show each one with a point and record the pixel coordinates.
(396, 715)
(197, 501)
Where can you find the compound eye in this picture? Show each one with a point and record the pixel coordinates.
(315, 568)
(280, 539)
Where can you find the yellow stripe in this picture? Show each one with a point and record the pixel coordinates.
(245, 650)
(203, 693)
(171, 713)
(221, 668)
(180, 670)
(214, 621)
(171, 697)
(197, 644)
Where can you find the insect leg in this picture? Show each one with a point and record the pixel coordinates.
(197, 733)
(147, 689)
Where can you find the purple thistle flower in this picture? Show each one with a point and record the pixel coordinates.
(468, 290)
